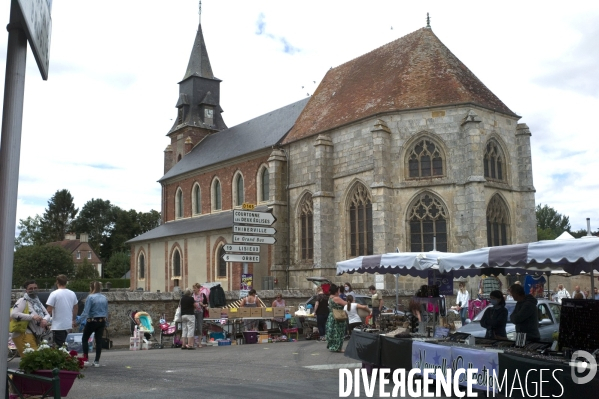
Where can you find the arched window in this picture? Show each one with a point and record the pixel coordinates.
(425, 160)
(176, 263)
(179, 204)
(222, 265)
(238, 190)
(494, 161)
(217, 201)
(141, 266)
(196, 200)
(307, 227)
(427, 218)
(264, 179)
(498, 225)
(360, 221)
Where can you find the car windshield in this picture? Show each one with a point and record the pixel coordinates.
(509, 306)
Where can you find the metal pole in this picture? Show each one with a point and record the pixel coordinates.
(10, 153)
(397, 292)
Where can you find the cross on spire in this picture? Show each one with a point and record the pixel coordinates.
(428, 19)
(200, 11)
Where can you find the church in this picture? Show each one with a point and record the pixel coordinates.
(402, 148)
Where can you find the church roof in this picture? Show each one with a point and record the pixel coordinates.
(415, 71)
(199, 63)
(254, 135)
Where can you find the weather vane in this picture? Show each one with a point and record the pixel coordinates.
(428, 19)
(200, 11)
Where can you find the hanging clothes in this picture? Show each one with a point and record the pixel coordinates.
(535, 286)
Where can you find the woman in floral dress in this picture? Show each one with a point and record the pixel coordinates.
(335, 329)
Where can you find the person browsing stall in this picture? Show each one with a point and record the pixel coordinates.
(525, 315)
(200, 304)
(62, 305)
(95, 314)
(28, 308)
(335, 329)
(353, 317)
(495, 317)
(321, 310)
(462, 302)
(188, 319)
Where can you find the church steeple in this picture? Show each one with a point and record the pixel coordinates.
(198, 104)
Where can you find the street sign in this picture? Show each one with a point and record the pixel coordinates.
(38, 27)
(248, 217)
(242, 248)
(254, 239)
(241, 258)
(253, 229)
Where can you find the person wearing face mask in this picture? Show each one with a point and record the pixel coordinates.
(347, 290)
(495, 317)
(29, 308)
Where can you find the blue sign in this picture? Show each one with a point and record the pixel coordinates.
(443, 281)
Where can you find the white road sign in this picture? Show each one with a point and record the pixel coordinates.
(250, 217)
(254, 239)
(253, 229)
(241, 258)
(38, 26)
(242, 248)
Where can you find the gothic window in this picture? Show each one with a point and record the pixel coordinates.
(494, 161)
(179, 204)
(427, 219)
(425, 160)
(176, 263)
(142, 266)
(497, 222)
(217, 199)
(264, 178)
(196, 200)
(307, 228)
(222, 265)
(238, 190)
(360, 222)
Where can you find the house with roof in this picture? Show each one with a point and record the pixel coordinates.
(81, 250)
(400, 148)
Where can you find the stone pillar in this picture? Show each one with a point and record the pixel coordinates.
(525, 216)
(323, 202)
(168, 158)
(277, 192)
(470, 208)
(382, 192)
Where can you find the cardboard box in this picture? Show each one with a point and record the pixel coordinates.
(278, 312)
(267, 312)
(134, 344)
(224, 313)
(234, 313)
(255, 312)
(245, 312)
(214, 313)
(145, 345)
(262, 337)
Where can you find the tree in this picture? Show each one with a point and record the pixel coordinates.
(59, 216)
(30, 232)
(550, 223)
(97, 218)
(118, 265)
(85, 270)
(41, 261)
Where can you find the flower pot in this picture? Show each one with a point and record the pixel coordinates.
(35, 387)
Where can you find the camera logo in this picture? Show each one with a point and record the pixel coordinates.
(578, 367)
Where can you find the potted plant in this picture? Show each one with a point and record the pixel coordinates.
(41, 362)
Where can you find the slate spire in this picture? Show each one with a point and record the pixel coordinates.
(199, 63)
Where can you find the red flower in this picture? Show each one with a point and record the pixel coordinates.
(73, 353)
(81, 361)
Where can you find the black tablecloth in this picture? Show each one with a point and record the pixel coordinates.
(365, 347)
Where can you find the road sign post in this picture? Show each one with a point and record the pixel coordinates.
(241, 258)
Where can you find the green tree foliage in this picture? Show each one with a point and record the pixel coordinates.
(118, 265)
(30, 232)
(550, 223)
(41, 261)
(58, 217)
(97, 218)
(85, 270)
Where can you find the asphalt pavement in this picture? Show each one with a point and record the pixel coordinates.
(304, 369)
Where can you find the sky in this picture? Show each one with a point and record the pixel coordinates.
(98, 125)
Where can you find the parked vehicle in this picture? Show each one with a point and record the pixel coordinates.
(548, 313)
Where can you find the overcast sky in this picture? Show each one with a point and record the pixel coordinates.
(97, 127)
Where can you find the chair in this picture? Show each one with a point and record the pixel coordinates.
(294, 330)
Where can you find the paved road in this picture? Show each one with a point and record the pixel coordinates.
(304, 369)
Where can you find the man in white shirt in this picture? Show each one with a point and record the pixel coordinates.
(560, 294)
(578, 291)
(62, 305)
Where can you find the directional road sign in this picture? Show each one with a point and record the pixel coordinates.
(249, 217)
(241, 258)
(253, 229)
(254, 239)
(242, 248)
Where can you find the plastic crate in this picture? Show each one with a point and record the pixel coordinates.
(250, 337)
(225, 342)
(216, 335)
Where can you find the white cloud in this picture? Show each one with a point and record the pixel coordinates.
(97, 126)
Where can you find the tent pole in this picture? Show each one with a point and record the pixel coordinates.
(592, 283)
(396, 292)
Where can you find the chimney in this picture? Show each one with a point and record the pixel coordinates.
(168, 158)
(83, 237)
(188, 145)
(70, 236)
